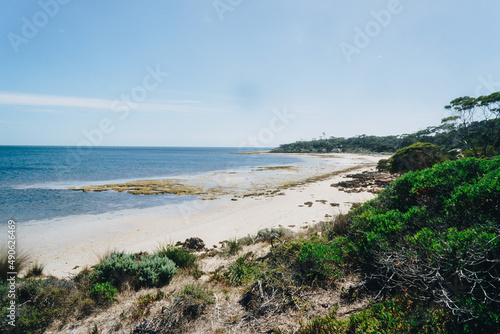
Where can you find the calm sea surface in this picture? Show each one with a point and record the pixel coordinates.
(34, 180)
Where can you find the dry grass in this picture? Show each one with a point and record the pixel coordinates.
(339, 226)
(103, 255)
(20, 260)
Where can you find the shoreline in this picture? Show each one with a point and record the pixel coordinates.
(66, 245)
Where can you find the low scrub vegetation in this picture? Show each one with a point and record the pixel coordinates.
(231, 247)
(434, 235)
(182, 257)
(41, 301)
(187, 306)
(417, 156)
(399, 315)
(138, 271)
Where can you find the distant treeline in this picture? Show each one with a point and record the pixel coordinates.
(449, 135)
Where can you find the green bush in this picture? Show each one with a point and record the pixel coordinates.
(39, 303)
(436, 232)
(383, 165)
(103, 293)
(196, 292)
(148, 271)
(400, 315)
(243, 270)
(181, 256)
(417, 156)
(488, 153)
(155, 270)
(268, 234)
(319, 261)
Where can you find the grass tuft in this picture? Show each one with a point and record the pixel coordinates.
(231, 247)
(105, 254)
(19, 260)
(36, 270)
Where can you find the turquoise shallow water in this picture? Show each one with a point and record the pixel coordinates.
(34, 180)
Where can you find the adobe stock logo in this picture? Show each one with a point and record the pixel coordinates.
(223, 6)
(487, 85)
(31, 27)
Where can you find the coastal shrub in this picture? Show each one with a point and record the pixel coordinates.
(417, 156)
(103, 293)
(40, 302)
(273, 292)
(267, 234)
(197, 293)
(143, 303)
(319, 261)
(179, 255)
(243, 270)
(400, 315)
(146, 271)
(436, 231)
(383, 165)
(337, 227)
(155, 270)
(186, 306)
(481, 151)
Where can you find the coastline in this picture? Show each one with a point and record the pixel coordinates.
(271, 198)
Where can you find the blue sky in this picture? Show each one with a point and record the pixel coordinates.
(240, 72)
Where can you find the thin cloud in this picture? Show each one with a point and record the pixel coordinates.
(34, 100)
(19, 99)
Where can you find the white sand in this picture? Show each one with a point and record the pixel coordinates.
(66, 245)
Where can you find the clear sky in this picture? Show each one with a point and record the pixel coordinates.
(240, 72)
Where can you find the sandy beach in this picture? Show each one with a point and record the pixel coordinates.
(261, 198)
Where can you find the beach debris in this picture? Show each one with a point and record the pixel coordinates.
(194, 243)
(373, 182)
(328, 216)
(322, 201)
(335, 204)
(234, 199)
(309, 204)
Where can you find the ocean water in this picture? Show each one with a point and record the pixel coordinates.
(34, 181)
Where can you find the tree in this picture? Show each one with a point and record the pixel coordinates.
(467, 109)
